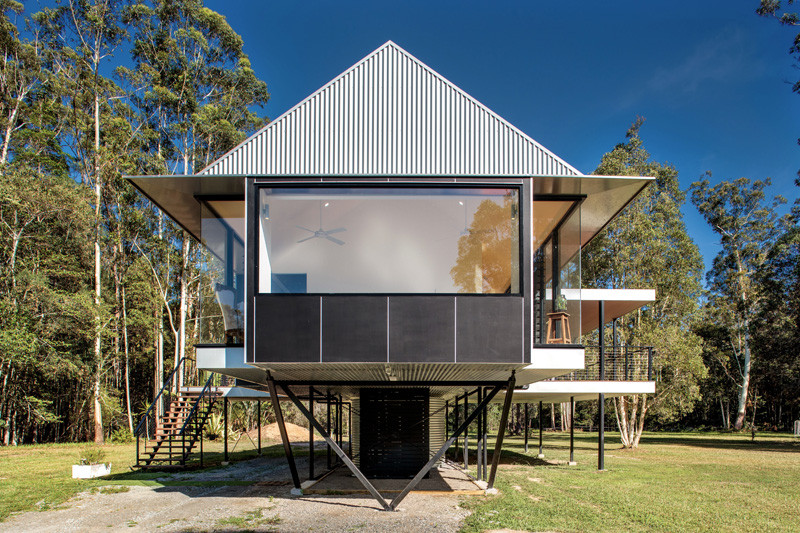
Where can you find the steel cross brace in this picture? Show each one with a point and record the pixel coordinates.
(332, 443)
(438, 455)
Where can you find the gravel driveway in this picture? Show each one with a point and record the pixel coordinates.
(259, 506)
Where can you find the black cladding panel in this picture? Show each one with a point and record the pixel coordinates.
(286, 329)
(422, 329)
(354, 329)
(489, 329)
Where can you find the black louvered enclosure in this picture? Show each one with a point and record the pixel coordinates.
(394, 432)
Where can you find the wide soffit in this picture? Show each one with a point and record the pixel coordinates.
(390, 115)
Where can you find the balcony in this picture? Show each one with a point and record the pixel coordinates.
(621, 363)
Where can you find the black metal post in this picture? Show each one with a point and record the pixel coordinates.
(485, 437)
(225, 430)
(527, 426)
(328, 424)
(466, 433)
(601, 407)
(287, 446)
(331, 443)
(601, 439)
(650, 363)
(259, 427)
(498, 445)
(479, 439)
(572, 430)
(541, 423)
(455, 422)
(438, 455)
(311, 435)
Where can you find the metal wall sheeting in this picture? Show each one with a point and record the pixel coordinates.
(355, 431)
(436, 430)
(390, 115)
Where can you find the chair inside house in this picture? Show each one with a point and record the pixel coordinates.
(232, 315)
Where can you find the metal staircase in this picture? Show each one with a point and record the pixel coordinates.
(173, 424)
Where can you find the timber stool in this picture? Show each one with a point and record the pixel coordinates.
(553, 319)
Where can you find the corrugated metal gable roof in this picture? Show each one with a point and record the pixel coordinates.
(390, 115)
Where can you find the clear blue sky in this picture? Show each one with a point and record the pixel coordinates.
(711, 78)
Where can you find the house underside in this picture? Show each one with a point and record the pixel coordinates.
(393, 248)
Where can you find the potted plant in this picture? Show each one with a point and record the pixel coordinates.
(90, 464)
(561, 303)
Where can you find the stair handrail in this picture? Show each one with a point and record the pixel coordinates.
(166, 386)
(193, 412)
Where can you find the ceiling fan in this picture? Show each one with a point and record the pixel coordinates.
(321, 233)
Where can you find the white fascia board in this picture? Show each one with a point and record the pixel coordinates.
(220, 357)
(556, 358)
(607, 295)
(563, 391)
(592, 387)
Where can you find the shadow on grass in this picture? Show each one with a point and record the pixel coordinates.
(724, 442)
(211, 461)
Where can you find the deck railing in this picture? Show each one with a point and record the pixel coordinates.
(621, 363)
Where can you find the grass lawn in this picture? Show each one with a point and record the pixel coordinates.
(40, 476)
(674, 482)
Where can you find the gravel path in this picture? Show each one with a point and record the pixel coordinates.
(258, 507)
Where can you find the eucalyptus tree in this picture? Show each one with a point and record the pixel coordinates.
(747, 225)
(647, 246)
(83, 36)
(197, 91)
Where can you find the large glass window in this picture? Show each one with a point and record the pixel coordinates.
(389, 240)
(222, 234)
(557, 270)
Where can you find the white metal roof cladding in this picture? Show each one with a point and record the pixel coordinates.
(391, 115)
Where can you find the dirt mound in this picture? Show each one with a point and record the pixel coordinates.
(272, 433)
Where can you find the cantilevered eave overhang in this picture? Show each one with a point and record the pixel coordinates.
(616, 303)
(177, 195)
(604, 196)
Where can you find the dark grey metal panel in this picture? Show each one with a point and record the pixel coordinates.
(286, 328)
(489, 329)
(354, 329)
(421, 329)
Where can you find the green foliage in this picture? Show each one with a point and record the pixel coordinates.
(747, 225)
(647, 246)
(71, 124)
(91, 455)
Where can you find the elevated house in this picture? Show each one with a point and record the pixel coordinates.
(391, 245)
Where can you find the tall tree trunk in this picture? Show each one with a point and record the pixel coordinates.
(184, 294)
(98, 413)
(127, 360)
(743, 388)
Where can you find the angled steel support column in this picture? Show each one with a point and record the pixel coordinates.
(343, 456)
(438, 455)
(287, 446)
(498, 445)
